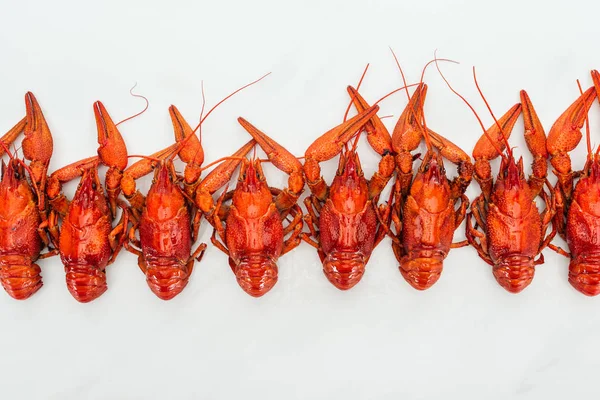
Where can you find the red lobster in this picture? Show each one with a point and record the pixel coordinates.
(423, 211)
(578, 209)
(23, 216)
(510, 231)
(342, 217)
(87, 241)
(251, 228)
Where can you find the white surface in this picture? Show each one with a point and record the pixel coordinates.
(464, 338)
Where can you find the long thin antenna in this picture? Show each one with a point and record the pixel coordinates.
(227, 97)
(401, 73)
(490, 139)
(141, 112)
(357, 88)
(508, 150)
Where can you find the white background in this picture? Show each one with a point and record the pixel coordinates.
(464, 338)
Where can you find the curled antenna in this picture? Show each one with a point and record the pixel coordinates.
(228, 97)
(139, 113)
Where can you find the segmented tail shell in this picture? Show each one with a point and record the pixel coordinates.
(20, 281)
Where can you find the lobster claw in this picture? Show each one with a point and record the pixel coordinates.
(282, 159)
(112, 152)
(565, 135)
(377, 134)
(219, 177)
(37, 144)
(192, 154)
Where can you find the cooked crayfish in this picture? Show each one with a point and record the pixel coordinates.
(423, 210)
(342, 218)
(86, 240)
(509, 230)
(251, 227)
(578, 208)
(23, 211)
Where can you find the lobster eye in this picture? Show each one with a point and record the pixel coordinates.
(257, 175)
(94, 186)
(17, 175)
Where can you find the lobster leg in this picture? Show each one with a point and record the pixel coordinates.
(485, 150)
(295, 227)
(283, 160)
(311, 219)
(10, 136)
(328, 146)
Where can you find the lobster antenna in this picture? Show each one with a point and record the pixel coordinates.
(227, 97)
(587, 125)
(155, 159)
(493, 143)
(508, 149)
(202, 110)
(221, 160)
(357, 87)
(141, 112)
(401, 73)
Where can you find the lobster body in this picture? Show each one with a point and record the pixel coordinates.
(514, 230)
(20, 242)
(510, 231)
(347, 225)
(86, 240)
(583, 233)
(429, 221)
(165, 237)
(254, 234)
(84, 247)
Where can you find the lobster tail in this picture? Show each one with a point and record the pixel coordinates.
(167, 281)
(85, 283)
(20, 281)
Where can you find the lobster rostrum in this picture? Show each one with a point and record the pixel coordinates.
(342, 218)
(82, 229)
(253, 220)
(423, 209)
(23, 211)
(578, 206)
(509, 230)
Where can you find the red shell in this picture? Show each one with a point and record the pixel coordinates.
(583, 236)
(165, 236)
(20, 243)
(83, 245)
